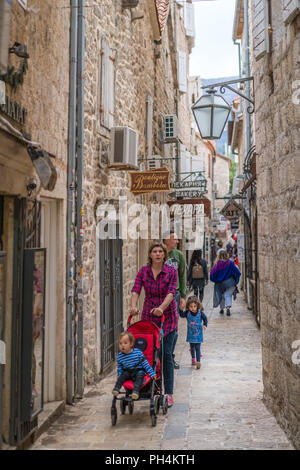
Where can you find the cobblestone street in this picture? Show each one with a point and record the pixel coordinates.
(217, 407)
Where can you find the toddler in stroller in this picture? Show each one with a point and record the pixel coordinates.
(132, 365)
(139, 370)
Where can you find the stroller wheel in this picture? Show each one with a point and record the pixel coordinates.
(123, 406)
(114, 416)
(153, 419)
(130, 407)
(165, 404)
(157, 404)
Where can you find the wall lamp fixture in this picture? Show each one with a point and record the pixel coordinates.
(211, 111)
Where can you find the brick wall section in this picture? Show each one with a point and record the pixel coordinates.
(278, 201)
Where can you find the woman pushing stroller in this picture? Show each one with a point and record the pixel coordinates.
(159, 281)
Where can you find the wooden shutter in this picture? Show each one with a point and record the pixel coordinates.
(182, 161)
(197, 163)
(107, 104)
(260, 28)
(182, 72)
(149, 126)
(189, 19)
(291, 8)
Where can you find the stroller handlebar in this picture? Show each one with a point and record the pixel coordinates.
(130, 317)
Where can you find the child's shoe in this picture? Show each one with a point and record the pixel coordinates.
(198, 365)
(135, 395)
(115, 392)
(193, 361)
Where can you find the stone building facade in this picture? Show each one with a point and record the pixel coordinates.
(33, 211)
(277, 119)
(133, 55)
(274, 30)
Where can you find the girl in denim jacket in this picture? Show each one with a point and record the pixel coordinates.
(196, 321)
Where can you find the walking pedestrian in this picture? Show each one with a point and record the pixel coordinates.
(159, 281)
(197, 274)
(226, 277)
(196, 322)
(176, 259)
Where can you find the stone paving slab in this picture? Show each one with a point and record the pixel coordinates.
(217, 407)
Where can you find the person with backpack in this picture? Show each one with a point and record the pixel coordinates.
(197, 274)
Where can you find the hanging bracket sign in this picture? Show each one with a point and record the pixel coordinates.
(232, 210)
(153, 181)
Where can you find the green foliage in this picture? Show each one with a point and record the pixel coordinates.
(232, 174)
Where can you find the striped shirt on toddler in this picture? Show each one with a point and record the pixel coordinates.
(134, 360)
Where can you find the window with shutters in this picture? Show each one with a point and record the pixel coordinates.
(107, 90)
(189, 19)
(290, 9)
(261, 43)
(182, 72)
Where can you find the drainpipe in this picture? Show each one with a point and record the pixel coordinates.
(237, 43)
(247, 71)
(79, 214)
(248, 133)
(70, 317)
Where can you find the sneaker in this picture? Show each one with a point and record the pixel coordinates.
(176, 365)
(222, 310)
(228, 312)
(170, 401)
(198, 365)
(115, 392)
(135, 395)
(193, 361)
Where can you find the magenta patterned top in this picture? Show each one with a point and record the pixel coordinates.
(156, 291)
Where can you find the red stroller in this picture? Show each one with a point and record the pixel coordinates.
(149, 339)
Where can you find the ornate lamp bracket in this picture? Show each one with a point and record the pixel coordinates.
(224, 85)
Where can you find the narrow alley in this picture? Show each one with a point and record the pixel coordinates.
(217, 407)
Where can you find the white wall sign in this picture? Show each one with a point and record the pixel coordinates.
(2, 353)
(241, 247)
(2, 92)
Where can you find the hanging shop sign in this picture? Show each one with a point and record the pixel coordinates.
(191, 194)
(221, 227)
(14, 110)
(190, 184)
(232, 210)
(197, 205)
(150, 181)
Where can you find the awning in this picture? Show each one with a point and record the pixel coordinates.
(162, 9)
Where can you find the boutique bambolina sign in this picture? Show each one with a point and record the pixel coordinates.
(150, 181)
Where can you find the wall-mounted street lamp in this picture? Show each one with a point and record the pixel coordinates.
(211, 111)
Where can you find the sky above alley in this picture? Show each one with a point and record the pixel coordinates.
(214, 54)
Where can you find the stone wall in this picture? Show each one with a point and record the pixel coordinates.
(278, 201)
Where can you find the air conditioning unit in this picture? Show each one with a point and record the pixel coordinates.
(171, 128)
(124, 148)
(154, 163)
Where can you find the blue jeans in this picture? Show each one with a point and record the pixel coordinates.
(177, 298)
(196, 351)
(168, 363)
(227, 297)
